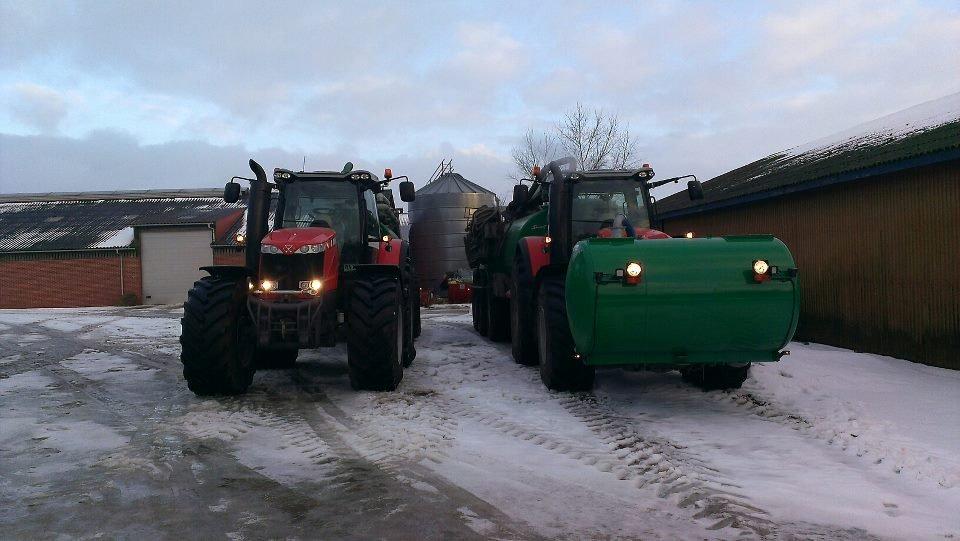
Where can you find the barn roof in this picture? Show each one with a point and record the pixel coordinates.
(923, 134)
(99, 220)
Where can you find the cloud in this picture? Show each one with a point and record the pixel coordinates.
(106, 160)
(705, 87)
(37, 106)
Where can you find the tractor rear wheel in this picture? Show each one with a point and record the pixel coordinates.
(375, 333)
(218, 349)
(559, 369)
(498, 317)
(409, 318)
(277, 359)
(478, 309)
(716, 377)
(417, 326)
(523, 337)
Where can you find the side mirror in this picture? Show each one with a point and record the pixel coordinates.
(521, 194)
(231, 192)
(407, 193)
(695, 190)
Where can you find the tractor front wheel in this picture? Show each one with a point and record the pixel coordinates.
(375, 333)
(560, 370)
(716, 377)
(218, 349)
(522, 321)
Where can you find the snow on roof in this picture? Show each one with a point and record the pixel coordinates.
(120, 239)
(901, 124)
(36, 223)
(928, 128)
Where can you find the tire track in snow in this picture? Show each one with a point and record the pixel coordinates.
(634, 454)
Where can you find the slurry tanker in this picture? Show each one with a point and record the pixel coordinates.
(572, 273)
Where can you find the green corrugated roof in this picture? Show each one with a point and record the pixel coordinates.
(893, 139)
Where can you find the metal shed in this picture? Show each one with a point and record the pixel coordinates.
(438, 218)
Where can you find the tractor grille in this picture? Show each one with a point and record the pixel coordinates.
(290, 270)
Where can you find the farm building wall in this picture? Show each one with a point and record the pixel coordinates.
(878, 259)
(70, 279)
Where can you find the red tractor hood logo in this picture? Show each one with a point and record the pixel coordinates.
(289, 241)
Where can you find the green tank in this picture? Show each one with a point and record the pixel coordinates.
(697, 301)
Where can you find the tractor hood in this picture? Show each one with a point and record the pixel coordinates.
(290, 241)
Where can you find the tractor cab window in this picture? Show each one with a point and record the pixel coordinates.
(370, 208)
(324, 204)
(606, 205)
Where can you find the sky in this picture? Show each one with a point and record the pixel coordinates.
(105, 95)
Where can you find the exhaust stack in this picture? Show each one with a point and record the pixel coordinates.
(258, 211)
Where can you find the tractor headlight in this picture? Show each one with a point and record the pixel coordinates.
(311, 249)
(268, 249)
(315, 284)
(634, 269)
(268, 285)
(760, 266)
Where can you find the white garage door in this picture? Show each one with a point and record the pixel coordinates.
(171, 259)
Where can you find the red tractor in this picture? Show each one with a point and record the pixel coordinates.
(330, 268)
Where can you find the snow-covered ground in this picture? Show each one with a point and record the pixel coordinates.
(100, 436)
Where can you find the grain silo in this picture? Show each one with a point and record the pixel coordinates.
(438, 218)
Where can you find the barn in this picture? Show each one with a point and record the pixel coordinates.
(872, 216)
(110, 248)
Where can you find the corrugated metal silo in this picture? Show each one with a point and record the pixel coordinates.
(438, 218)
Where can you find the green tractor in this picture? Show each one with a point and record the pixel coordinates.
(573, 275)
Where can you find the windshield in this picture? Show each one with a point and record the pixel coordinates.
(323, 204)
(597, 203)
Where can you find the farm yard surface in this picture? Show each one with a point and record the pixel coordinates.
(99, 436)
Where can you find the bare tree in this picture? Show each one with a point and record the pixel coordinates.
(536, 148)
(596, 139)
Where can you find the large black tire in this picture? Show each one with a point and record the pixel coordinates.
(559, 369)
(277, 359)
(409, 316)
(410, 300)
(217, 338)
(478, 305)
(498, 317)
(375, 334)
(523, 336)
(716, 377)
(417, 326)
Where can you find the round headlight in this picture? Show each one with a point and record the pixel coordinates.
(634, 269)
(267, 285)
(760, 266)
(315, 284)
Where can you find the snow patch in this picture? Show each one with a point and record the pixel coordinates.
(120, 239)
(23, 382)
(97, 365)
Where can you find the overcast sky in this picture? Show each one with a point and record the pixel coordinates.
(128, 95)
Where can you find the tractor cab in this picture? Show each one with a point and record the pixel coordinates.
(609, 204)
(345, 203)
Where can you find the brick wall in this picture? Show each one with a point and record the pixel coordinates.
(69, 280)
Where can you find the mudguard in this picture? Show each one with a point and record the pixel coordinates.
(696, 302)
(534, 249)
(226, 271)
(390, 252)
